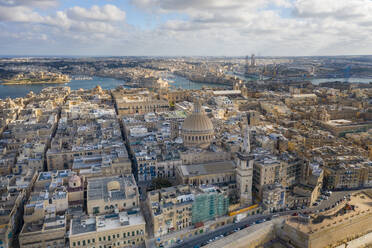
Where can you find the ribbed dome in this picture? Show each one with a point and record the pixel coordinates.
(197, 122)
(197, 128)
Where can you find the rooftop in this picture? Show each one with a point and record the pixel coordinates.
(207, 168)
(85, 224)
(111, 188)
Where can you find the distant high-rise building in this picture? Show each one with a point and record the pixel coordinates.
(253, 60)
(246, 65)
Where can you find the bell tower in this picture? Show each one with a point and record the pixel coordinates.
(244, 170)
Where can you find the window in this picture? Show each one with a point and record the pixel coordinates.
(117, 235)
(74, 244)
(133, 233)
(78, 243)
(83, 242)
(95, 210)
(88, 241)
(100, 239)
(128, 234)
(124, 235)
(108, 238)
(93, 240)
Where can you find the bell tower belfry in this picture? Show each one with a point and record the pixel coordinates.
(244, 170)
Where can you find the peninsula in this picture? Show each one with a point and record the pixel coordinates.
(37, 78)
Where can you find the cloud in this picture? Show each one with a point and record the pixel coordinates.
(193, 27)
(37, 3)
(77, 19)
(333, 8)
(19, 14)
(192, 6)
(105, 13)
(310, 26)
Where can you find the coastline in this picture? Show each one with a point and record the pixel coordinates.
(31, 83)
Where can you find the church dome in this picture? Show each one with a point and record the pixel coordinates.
(197, 122)
(197, 128)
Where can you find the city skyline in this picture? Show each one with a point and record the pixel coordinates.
(179, 28)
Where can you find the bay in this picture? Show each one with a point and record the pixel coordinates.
(19, 90)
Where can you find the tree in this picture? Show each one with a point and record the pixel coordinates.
(159, 183)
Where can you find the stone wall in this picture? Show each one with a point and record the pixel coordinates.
(337, 231)
(250, 237)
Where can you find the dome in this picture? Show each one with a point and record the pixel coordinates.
(197, 122)
(74, 181)
(113, 185)
(197, 128)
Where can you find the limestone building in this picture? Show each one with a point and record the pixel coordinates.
(221, 172)
(176, 208)
(45, 213)
(267, 170)
(138, 101)
(273, 197)
(124, 229)
(109, 194)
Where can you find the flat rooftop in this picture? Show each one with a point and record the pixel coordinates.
(113, 188)
(207, 168)
(85, 224)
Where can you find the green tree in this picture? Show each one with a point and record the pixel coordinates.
(159, 183)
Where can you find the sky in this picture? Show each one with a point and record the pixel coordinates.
(185, 27)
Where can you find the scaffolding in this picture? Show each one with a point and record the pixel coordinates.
(208, 206)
